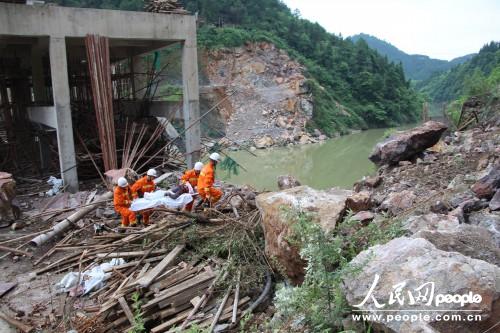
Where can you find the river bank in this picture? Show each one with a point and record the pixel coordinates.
(433, 217)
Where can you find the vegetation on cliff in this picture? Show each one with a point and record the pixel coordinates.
(474, 77)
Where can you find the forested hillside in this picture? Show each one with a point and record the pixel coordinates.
(373, 91)
(476, 76)
(416, 66)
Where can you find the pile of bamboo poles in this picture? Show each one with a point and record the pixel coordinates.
(165, 6)
(100, 79)
(171, 292)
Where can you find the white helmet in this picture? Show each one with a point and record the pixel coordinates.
(151, 172)
(215, 157)
(122, 182)
(198, 166)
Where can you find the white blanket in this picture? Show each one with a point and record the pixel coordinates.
(158, 199)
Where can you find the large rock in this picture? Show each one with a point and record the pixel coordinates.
(430, 222)
(407, 144)
(327, 208)
(411, 263)
(488, 221)
(487, 185)
(359, 201)
(470, 240)
(398, 202)
(287, 181)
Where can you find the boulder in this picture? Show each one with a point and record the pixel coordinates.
(470, 240)
(359, 201)
(367, 182)
(264, 142)
(398, 202)
(495, 201)
(430, 222)
(486, 186)
(287, 181)
(412, 263)
(407, 144)
(327, 208)
(490, 221)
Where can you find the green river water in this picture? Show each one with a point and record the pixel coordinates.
(336, 162)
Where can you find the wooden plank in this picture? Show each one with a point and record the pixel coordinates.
(177, 319)
(6, 287)
(146, 280)
(126, 309)
(179, 288)
(16, 323)
(128, 254)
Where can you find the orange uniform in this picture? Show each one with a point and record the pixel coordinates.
(122, 199)
(191, 177)
(206, 182)
(141, 186)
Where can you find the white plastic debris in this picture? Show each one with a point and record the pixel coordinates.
(91, 279)
(57, 185)
(158, 199)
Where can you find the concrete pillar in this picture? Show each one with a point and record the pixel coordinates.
(191, 101)
(37, 74)
(60, 89)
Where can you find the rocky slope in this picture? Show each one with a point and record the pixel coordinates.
(271, 104)
(446, 201)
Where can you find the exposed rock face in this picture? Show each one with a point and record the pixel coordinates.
(327, 207)
(287, 181)
(487, 185)
(415, 262)
(398, 202)
(407, 144)
(272, 99)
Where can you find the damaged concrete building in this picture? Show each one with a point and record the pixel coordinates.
(45, 81)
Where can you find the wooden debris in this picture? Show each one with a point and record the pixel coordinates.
(16, 323)
(146, 280)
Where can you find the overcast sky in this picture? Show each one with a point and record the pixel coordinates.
(442, 29)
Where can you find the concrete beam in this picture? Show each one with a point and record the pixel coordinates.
(50, 20)
(45, 115)
(191, 98)
(60, 89)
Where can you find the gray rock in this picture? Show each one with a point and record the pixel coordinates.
(430, 222)
(398, 202)
(407, 144)
(495, 201)
(416, 262)
(490, 221)
(470, 240)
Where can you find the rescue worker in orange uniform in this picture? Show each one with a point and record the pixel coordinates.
(122, 198)
(206, 181)
(191, 177)
(144, 185)
(188, 183)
